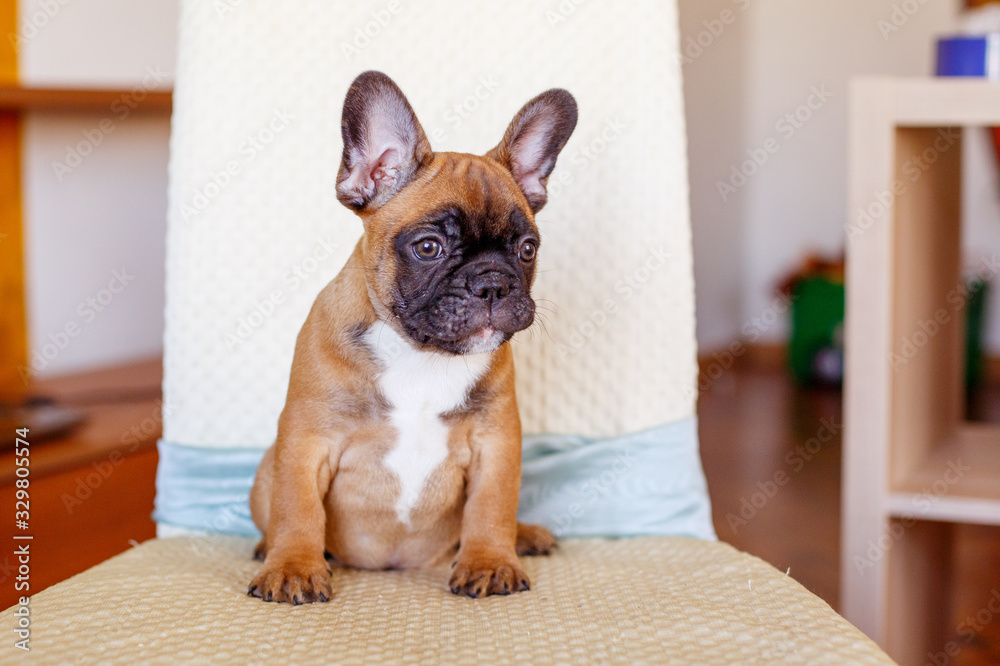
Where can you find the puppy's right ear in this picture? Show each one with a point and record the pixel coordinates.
(383, 143)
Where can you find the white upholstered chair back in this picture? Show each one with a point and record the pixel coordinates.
(255, 230)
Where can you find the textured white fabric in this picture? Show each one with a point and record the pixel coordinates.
(593, 601)
(253, 212)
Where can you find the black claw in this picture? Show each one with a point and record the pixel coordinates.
(270, 597)
(253, 588)
(525, 585)
(322, 597)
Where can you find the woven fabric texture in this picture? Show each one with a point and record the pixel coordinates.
(647, 600)
(255, 230)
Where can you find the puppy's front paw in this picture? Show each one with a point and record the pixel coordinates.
(534, 540)
(293, 581)
(484, 575)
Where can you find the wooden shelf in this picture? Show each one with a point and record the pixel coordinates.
(14, 98)
(938, 102)
(905, 436)
(947, 509)
(956, 482)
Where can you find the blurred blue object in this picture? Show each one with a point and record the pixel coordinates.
(969, 56)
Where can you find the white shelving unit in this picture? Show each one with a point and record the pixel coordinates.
(912, 467)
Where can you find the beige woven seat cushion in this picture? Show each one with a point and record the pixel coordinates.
(646, 600)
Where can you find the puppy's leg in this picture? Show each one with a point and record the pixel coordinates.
(260, 500)
(294, 569)
(534, 540)
(487, 559)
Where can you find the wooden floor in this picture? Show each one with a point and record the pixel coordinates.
(775, 487)
(751, 422)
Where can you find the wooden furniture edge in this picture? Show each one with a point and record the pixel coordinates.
(118, 101)
(112, 430)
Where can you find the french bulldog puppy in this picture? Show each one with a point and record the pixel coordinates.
(400, 444)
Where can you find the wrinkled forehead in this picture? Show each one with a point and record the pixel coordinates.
(466, 195)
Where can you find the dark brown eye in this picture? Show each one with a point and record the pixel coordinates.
(527, 252)
(427, 249)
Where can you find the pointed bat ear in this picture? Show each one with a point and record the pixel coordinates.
(384, 143)
(534, 140)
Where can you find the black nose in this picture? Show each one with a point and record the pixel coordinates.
(490, 285)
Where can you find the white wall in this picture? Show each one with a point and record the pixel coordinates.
(109, 212)
(86, 218)
(763, 67)
(715, 101)
(107, 215)
(981, 217)
(102, 43)
(798, 201)
(981, 195)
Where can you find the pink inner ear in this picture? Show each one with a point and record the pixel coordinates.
(386, 167)
(529, 161)
(528, 178)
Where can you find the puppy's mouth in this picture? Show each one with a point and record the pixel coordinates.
(463, 330)
(484, 340)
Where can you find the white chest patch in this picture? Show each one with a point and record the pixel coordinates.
(420, 386)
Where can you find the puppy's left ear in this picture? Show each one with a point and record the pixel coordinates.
(384, 143)
(534, 140)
